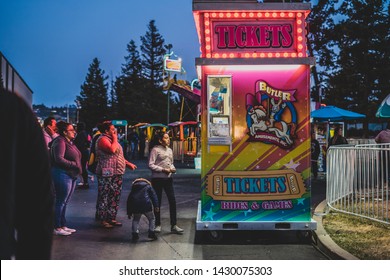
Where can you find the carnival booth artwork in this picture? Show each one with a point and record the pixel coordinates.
(255, 161)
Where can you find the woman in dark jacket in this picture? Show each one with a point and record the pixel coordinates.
(141, 200)
(66, 167)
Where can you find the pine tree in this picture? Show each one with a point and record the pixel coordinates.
(93, 96)
(153, 51)
(132, 67)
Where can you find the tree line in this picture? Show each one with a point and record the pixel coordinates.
(137, 93)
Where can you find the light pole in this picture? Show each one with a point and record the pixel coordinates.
(78, 107)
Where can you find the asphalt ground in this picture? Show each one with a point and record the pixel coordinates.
(92, 242)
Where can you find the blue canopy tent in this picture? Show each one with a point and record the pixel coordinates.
(384, 108)
(333, 113)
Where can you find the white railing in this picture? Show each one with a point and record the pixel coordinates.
(358, 180)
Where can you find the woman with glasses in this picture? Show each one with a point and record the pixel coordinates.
(111, 165)
(66, 167)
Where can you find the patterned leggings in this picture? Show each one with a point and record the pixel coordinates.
(109, 193)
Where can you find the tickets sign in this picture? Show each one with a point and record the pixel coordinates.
(256, 185)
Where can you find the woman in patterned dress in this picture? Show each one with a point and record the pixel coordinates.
(110, 169)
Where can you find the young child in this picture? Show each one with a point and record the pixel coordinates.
(141, 201)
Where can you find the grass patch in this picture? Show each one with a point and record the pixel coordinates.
(363, 238)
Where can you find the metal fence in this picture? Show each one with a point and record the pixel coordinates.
(358, 180)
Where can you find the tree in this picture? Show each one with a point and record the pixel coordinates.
(153, 51)
(320, 44)
(93, 96)
(128, 86)
(361, 79)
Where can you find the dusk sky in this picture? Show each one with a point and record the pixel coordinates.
(51, 43)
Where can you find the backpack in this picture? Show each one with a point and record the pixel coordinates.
(92, 160)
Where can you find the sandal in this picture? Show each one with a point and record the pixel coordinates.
(116, 223)
(106, 225)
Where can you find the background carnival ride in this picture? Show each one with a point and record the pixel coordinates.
(255, 117)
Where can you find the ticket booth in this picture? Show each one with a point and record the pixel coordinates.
(255, 76)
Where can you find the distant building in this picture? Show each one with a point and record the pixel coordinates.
(12, 81)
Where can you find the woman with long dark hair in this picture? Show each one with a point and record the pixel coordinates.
(161, 165)
(66, 167)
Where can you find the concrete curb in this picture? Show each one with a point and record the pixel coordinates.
(323, 240)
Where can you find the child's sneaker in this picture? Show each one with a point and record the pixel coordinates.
(176, 229)
(135, 237)
(157, 229)
(152, 235)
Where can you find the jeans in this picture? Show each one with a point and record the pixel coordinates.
(134, 149)
(137, 218)
(64, 186)
(166, 184)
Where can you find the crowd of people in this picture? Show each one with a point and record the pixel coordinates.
(52, 159)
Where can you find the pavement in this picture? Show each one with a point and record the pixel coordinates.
(92, 242)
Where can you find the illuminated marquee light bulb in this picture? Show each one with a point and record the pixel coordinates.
(251, 14)
(243, 14)
(266, 14)
(231, 55)
(208, 47)
(221, 15)
(300, 55)
(206, 14)
(285, 54)
(270, 55)
(282, 15)
(259, 15)
(299, 21)
(274, 15)
(224, 55)
(254, 54)
(291, 14)
(299, 14)
(300, 38)
(277, 54)
(208, 55)
(214, 15)
(247, 55)
(262, 54)
(294, 55)
(208, 39)
(207, 31)
(228, 15)
(236, 15)
(299, 30)
(207, 23)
